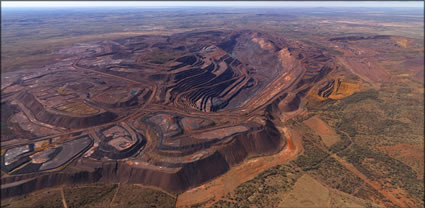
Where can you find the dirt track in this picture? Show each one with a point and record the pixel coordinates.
(377, 186)
(374, 184)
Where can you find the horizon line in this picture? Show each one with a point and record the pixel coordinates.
(229, 4)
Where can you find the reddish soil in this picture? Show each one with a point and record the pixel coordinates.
(415, 67)
(390, 195)
(366, 69)
(218, 187)
(395, 195)
(291, 145)
(328, 135)
(410, 154)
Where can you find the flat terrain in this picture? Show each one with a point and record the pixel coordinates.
(94, 195)
(327, 134)
(312, 107)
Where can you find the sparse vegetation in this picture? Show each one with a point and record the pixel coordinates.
(373, 118)
(136, 196)
(379, 166)
(312, 156)
(264, 189)
(341, 145)
(93, 196)
(336, 176)
(98, 195)
(50, 198)
(377, 112)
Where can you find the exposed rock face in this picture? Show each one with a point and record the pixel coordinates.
(41, 114)
(266, 140)
(174, 123)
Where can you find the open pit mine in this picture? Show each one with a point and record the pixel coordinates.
(171, 112)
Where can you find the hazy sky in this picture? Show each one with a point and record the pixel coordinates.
(50, 4)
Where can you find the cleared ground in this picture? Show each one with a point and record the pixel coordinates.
(328, 135)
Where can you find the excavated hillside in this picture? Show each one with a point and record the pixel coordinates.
(172, 112)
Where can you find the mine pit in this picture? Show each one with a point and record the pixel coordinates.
(221, 133)
(164, 108)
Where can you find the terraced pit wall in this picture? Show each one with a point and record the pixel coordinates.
(41, 114)
(266, 140)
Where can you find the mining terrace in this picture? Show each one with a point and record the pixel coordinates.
(167, 111)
